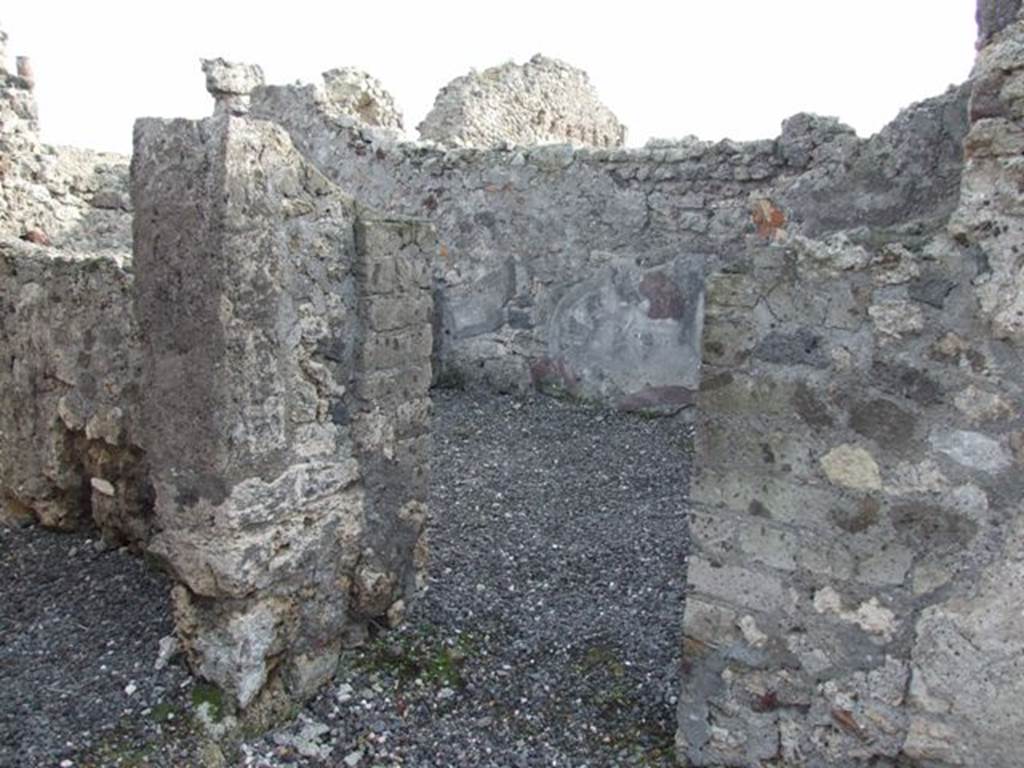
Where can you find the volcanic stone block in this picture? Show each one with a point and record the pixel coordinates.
(287, 505)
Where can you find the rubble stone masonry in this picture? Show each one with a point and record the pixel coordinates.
(229, 369)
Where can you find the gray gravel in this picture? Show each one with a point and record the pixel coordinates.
(548, 635)
(80, 627)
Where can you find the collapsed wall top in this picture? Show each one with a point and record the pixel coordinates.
(993, 16)
(230, 84)
(361, 96)
(544, 101)
(345, 91)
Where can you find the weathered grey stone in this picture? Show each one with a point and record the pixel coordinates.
(859, 257)
(70, 409)
(870, 615)
(971, 449)
(804, 133)
(980, 406)
(994, 16)
(895, 318)
(908, 478)
(755, 590)
(230, 84)
(804, 347)
(542, 101)
(901, 380)
(889, 425)
(23, 66)
(896, 264)
(967, 657)
(47, 193)
(277, 488)
(355, 93)
(835, 253)
(930, 290)
(519, 228)
(843, 517)
(988, 217)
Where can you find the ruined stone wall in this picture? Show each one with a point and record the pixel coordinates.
(69, 413)
(273, 359)
(361, 96)
(74, 199)
(68, 450)
(857, 512)
(571, 269)
(286, 350)
(544, 101)
(854, 585)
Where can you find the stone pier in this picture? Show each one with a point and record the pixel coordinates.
(286, 348)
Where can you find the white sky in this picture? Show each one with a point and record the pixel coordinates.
(731, 68)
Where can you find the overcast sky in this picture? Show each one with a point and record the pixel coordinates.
(667, 69)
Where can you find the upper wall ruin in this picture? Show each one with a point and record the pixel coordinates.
(74, 198)
(544, 101)
(544, 249)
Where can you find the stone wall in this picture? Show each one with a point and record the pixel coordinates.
(362, 97)
(68, 418)
(74, 199)
(281, 385)
(286, 351)
(69, 415)
(253, 407)
(993, 16)
(854, 586)
(543, 250)
(544, 101)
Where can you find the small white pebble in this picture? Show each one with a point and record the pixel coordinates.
(131, 688)
(66, 764)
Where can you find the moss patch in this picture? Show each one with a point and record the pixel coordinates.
(211, 697)
(421, 656)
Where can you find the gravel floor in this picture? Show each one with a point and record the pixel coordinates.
(80, 626)
(548, 635)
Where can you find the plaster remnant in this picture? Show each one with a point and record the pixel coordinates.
(751, 633)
